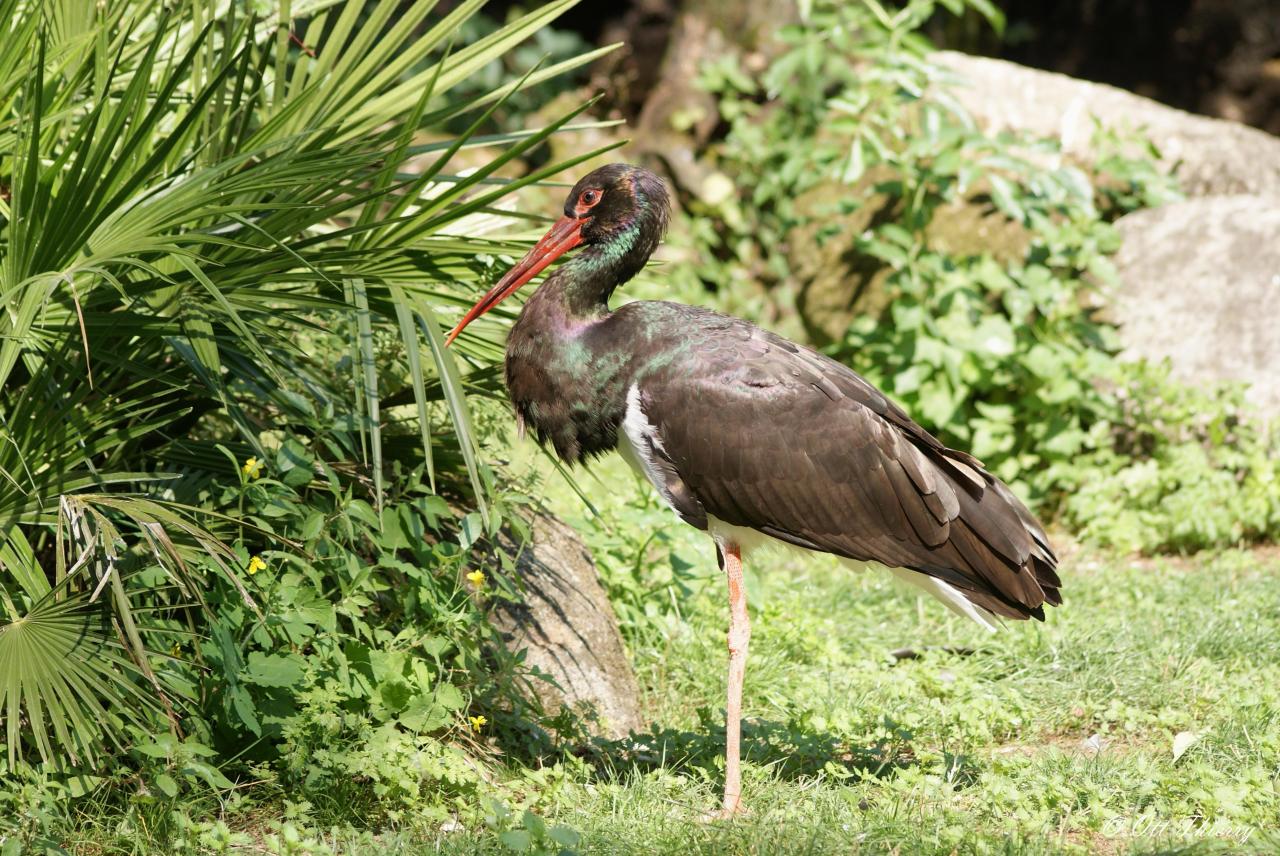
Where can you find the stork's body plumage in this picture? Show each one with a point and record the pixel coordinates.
(747, 435)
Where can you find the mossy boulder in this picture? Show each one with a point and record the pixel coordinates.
(835, 282)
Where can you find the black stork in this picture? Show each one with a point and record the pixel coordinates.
(748, 436)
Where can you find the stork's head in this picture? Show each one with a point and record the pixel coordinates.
(617, 214)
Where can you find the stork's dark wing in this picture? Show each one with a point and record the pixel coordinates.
(778, 438)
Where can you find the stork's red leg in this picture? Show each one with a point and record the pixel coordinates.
(739, 638)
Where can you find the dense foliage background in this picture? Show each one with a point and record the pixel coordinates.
(995, 343)
(246, 495)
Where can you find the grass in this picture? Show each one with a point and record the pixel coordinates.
(1040, 738)
(1054, 737)
(1043, 739)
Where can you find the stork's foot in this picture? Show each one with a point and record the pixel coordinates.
(731, 812)
(726, 813)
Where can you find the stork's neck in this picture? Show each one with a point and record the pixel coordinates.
(563, 378)
(577, 292)
(584, 284)
(571, 300)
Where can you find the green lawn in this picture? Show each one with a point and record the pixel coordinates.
(1039, 738)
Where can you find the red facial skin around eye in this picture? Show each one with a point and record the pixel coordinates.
(587, 200)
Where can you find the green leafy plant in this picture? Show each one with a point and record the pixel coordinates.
(372, 644)
(531, 834)
(1180, 468)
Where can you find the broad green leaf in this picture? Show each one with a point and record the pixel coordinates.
(449, 697)
(273, 670)
(166, 785)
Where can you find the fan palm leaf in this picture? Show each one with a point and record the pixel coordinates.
(185, 197)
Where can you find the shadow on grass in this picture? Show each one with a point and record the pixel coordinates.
(531, 737)
(789, 751)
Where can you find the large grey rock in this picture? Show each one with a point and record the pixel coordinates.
(1213, 156)
(567, 626)
(1201, 286)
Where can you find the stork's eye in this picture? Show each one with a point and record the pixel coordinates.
(589, 198)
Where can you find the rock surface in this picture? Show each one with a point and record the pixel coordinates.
(1212, 156)
(835, 282)
(1201, 286)
(567, 626)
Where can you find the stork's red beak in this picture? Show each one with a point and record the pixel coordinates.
(560, 238)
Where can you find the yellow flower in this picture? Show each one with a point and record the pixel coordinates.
(478, 722)
(252, 468)
(477, 578)
(256, 564)
(176, 650)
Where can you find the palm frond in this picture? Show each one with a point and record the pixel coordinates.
(191, 200)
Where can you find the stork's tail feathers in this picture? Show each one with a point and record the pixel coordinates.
(1010, 567)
